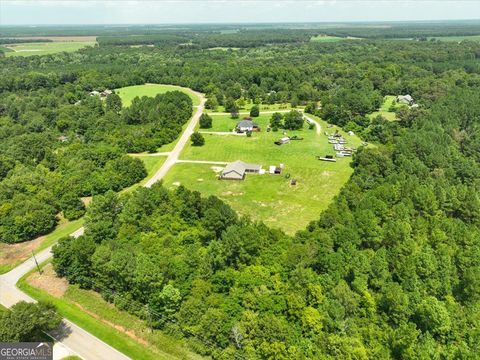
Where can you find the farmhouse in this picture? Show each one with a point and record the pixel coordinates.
(106, 93)
(246, 125)
(405, 99)
(237, 170)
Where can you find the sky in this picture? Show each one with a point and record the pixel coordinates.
(35, 12)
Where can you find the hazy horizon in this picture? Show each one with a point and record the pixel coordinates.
(184, 12)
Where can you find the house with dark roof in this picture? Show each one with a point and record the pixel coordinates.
(238, 169)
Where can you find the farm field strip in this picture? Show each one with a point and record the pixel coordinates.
(30, 49)
(127, 94)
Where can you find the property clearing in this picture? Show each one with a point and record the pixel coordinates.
(269, 198)
(14, 254)
(127, 94)
(385, 109)
(248, 105)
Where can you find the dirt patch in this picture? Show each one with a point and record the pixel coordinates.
(120, 328)
(87, 200)
(231, 193)
(48, 281)
(13, 253)
(326, 173)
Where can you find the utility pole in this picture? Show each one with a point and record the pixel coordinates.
(149, 317)
(36, 263)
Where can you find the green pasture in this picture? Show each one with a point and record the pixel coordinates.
(127, 94)
(224, 123)
(248, 106)
(29, 49)
(385, 109)
(457, 38)
(269, 198)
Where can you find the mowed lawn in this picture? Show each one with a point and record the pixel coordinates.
(29, 49)
(127, 94)
(222, 123)
(269, 198)
(263, 107)
(385, 109)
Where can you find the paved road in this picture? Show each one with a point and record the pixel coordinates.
(175, 153)
(71, 339)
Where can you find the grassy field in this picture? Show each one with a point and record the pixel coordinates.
(14, 254)
(269, 198)
(263, 107)
(29, 49)
(385, 109)
(89, 311)
(457, 38)
(327, 38)
(128, 93)
(226, 123)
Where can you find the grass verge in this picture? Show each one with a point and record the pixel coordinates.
(61, 231)
(101, 319)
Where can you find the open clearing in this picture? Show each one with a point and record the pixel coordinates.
(248, 106)
(269, 198)
(457, 38)
(14, 254)
(385, 109)
(327, 38)
(127, 94)
(29, 49)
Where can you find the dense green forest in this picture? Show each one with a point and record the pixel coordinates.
(390, 270)
(60, 144)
